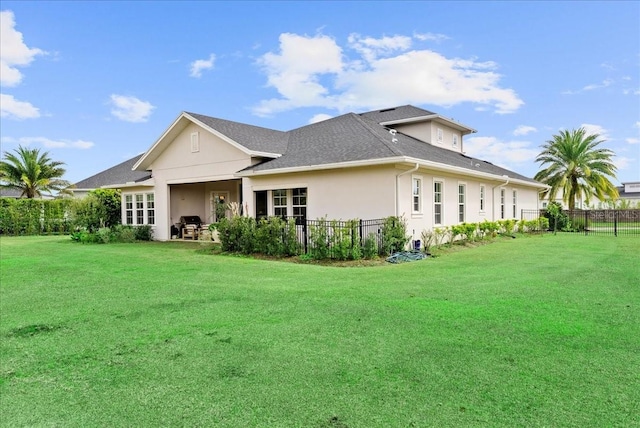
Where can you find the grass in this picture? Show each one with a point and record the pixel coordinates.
(537, 331)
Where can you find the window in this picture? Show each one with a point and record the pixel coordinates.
(286, 202)
(195, 142)
(461, 196)
(482, 198)
(128, 209)
(501, 203)
(440, 134)
(139, 209)
(299, 203)
(454, 141)
(417, 192)
(515, 204)
(151, 211)
(437, 202)
(280, 203)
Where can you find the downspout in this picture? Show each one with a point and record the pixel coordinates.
(493, 197)
(414, 169)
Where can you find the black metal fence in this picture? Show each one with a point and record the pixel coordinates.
(336, 229)
(607, 222)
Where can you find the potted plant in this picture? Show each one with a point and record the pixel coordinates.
(213, 228)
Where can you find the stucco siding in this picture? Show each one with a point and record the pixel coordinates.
(216, 158)
(337, 194)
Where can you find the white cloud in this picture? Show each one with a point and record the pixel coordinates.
(591, 129)
(371, 48)
(198, 66)
(633, 140)
(49, 143)
(503, 153)
(319, 118)
(524, 130)
(593, 86)
(15, 109)
(130, 109)
(316, 72)
(13, 51)
(622, 162)
(431, 37)
(637, 124)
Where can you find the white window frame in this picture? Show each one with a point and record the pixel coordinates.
(296, 203)
(502, 201)
(139, 206)
(454, 140)
(195, 142)
(439, 135)
(280, 202)
(438, 198)
(416, 194)
(462, 202)
(483, 196)
(515, 202)
(292, 205)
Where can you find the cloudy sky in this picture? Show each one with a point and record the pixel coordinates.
(97, 83)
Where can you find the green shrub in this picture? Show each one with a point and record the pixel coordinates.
(268, 236)
(124, 233)
(470, 230)
(370, 247)
(143, 233)
(103, 235)
(394, 235)
(238, 234)
(319, 239)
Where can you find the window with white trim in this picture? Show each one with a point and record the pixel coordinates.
(416, 193)
(195, 142)
(280, 203)
(440, 135)
(438, 188)
(515, 204)
(299, 203)
(482, 192)
(139, 209)
(454, 140)
(128, 209)
(502, 203)
(151, 209)
(461, 201)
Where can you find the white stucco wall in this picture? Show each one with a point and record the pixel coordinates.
(428, 132)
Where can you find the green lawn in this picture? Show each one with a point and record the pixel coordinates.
(528, 332)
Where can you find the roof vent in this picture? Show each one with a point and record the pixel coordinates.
(393, 133)
(386, 110)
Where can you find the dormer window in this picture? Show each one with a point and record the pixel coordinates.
(440, 138)
(454, 141)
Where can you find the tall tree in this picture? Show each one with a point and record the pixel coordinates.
(577, 167)
(31, 172)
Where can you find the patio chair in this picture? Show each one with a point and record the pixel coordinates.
(190, 231)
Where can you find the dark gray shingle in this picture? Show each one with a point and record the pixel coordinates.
(119, 174)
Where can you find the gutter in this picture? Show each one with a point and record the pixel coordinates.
(414, 169)
(493, 197)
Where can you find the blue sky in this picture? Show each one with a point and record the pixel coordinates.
(95, 83)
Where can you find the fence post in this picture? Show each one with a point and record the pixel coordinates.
(615, 222)
(360, 231)
(305, 235)
(586, 228)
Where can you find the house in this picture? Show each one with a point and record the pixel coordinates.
(17, 194)
(403, 161)
(122, 173)
(630, 191)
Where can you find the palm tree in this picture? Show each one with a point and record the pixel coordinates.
(31, 173)
(577, 167)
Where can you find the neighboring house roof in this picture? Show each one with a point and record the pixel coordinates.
(9, 193)
(633, 193)
(119, 174)
(17, 194)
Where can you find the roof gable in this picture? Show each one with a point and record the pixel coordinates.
(252, 140)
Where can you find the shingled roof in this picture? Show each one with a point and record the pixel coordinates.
(119, 174)
(356, 137)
